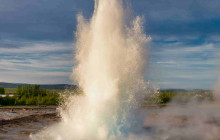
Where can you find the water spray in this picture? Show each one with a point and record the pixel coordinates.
(111, 56)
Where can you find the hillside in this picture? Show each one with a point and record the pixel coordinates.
(46, 86)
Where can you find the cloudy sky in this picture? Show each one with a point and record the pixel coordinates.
(36, 40)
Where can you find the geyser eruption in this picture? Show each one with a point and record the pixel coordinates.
(111, 61)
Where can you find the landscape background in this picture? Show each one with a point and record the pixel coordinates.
(37, 41)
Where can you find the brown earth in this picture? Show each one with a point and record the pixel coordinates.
(31, 121)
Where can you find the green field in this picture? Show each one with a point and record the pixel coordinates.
(179, 96)
(13, 90)
(31, 95)
(34, 95)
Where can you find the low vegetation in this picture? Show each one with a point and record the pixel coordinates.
(2, 90)
(179, 96)
(34, 95)
(30, 95)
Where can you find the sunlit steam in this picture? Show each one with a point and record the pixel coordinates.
(111, 60)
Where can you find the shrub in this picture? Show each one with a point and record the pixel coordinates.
(30, 95)
(166, 96)
(2, 90)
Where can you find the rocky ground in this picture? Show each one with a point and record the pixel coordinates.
(191, 122)
(18, 123)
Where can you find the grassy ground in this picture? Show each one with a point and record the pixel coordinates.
(162, 97)
(10, 90)
(13, 90)
(184, 96)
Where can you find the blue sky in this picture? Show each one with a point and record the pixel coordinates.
(36, 40)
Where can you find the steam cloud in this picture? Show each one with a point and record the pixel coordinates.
(111, 56)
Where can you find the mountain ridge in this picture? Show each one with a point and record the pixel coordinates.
(46, 86)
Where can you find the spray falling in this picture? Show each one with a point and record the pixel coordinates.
(111, 61)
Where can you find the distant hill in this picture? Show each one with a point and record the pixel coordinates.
(46, 86)
(173, 89)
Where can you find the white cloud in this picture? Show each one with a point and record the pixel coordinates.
(180, 48)
(166, 62)
(44, 62)
(35, 77)
(185, 66)
(215, 38)
(179, 38)
(37, 47)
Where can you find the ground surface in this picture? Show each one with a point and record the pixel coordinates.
(190, 122)
(18, 123)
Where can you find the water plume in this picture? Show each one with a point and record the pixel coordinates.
(111, 56)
